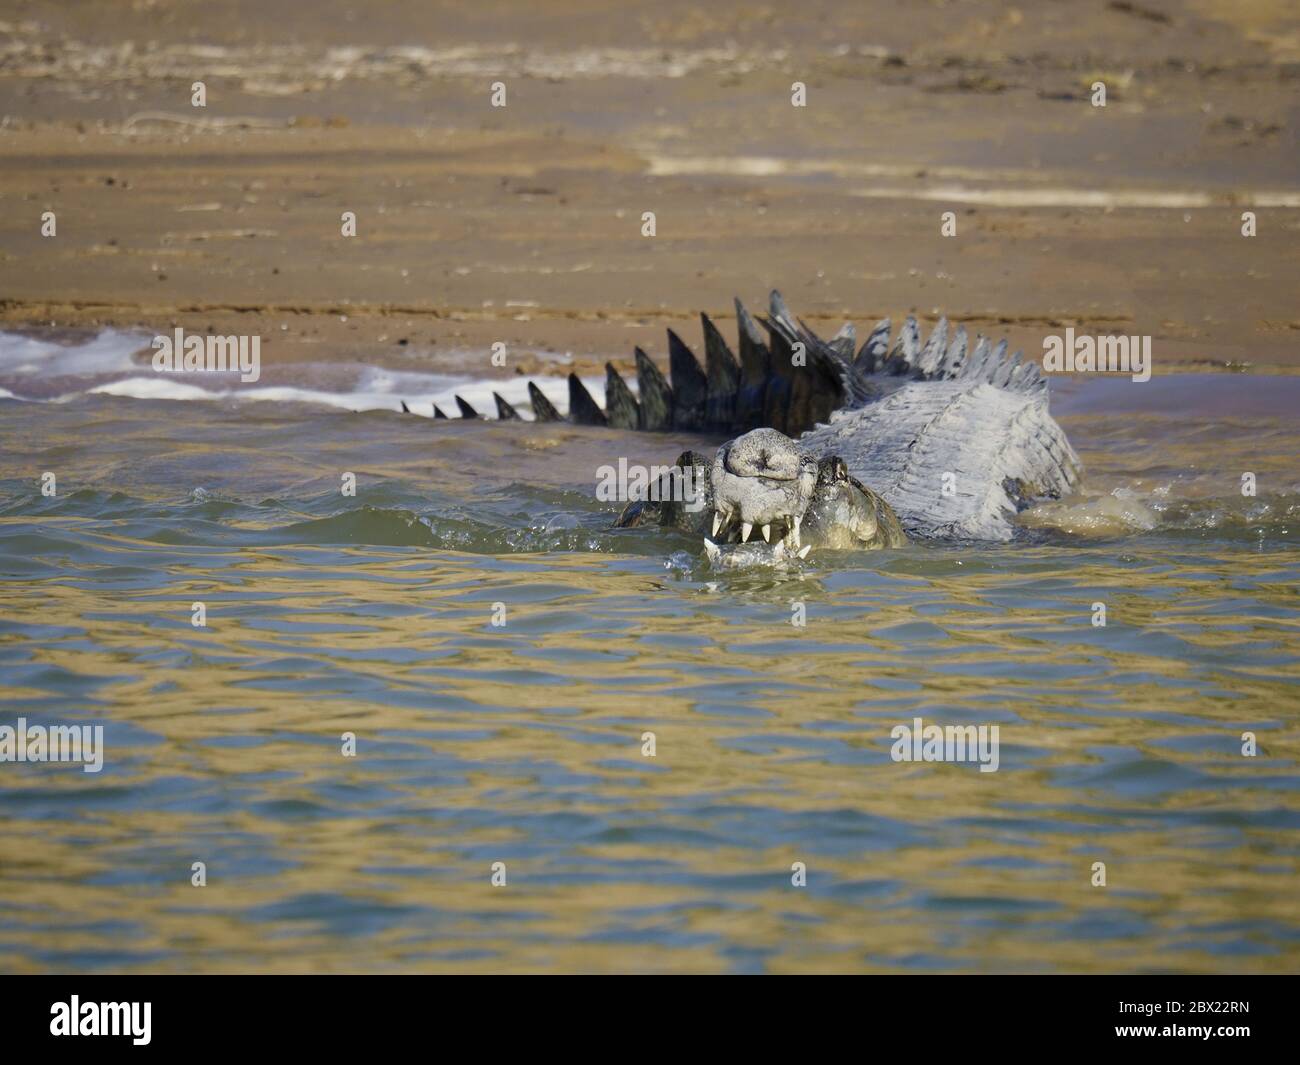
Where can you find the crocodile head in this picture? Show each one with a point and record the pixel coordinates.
(772, 500)
(761, 481)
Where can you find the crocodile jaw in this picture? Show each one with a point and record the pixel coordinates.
(762, 483)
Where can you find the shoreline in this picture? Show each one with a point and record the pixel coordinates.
(523, 224)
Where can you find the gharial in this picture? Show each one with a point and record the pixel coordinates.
(942, 439)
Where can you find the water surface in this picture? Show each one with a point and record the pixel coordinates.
(522, 743)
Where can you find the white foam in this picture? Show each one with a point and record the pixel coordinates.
(419, 395)
(104, 366)
(28, 356)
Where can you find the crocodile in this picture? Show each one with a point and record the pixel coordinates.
(839, 446)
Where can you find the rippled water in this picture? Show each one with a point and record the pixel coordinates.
(522, 743)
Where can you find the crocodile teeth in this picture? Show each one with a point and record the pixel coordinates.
(795, 526)
(745, 530)
(779, 550)
(711, 549)
(717, 522)
(804, 552)
(767, 533)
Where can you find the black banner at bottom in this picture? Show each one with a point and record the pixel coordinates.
(340, 1014)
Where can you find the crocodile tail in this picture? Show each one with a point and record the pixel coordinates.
(785, 377)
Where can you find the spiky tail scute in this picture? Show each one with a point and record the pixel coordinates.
(786, 377)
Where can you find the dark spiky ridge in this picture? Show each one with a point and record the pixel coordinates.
(621, 408)
(656, 411)
(543, 410)
(786, 377)
(505, 412)
(583, 410)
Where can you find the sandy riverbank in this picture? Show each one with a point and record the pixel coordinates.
(523, 224)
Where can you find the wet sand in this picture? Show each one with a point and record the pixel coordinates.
(522, 224)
